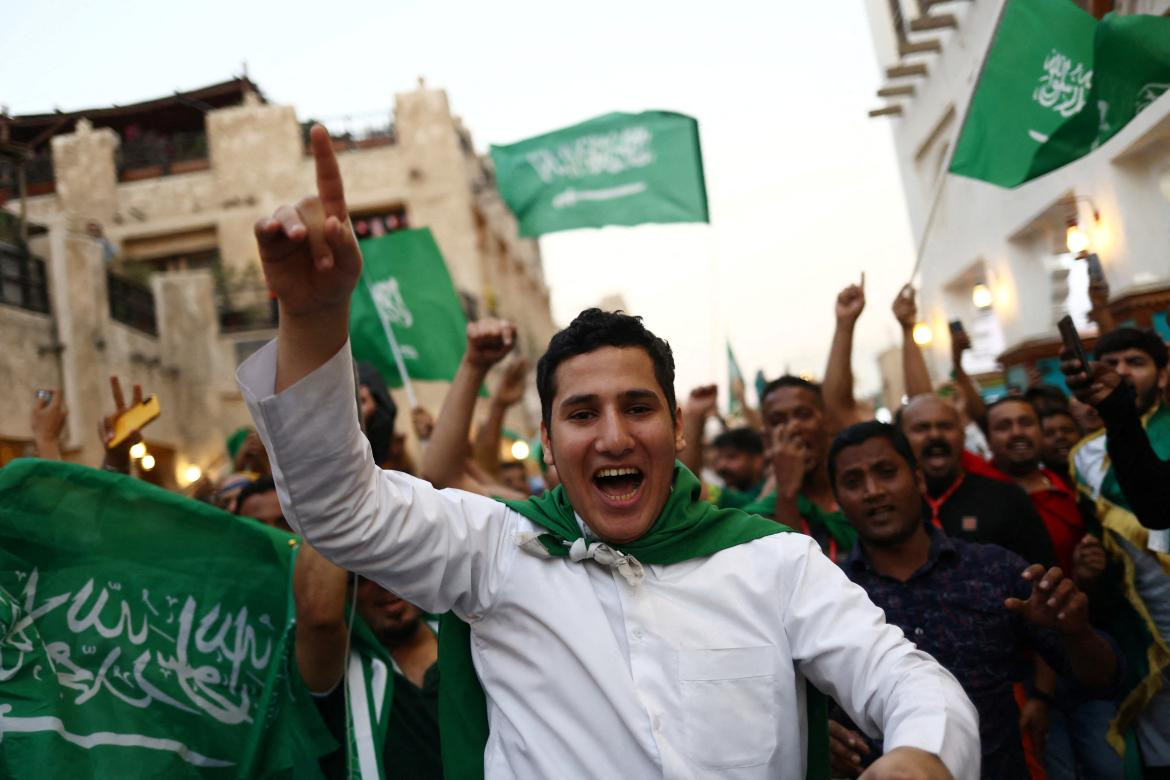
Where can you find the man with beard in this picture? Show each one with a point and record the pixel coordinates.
(966, 505)
(794, 413)
(618, 626)
(1013, 433)
(1131, 503)
(1061, 433)
(979, 609)
(738, 453)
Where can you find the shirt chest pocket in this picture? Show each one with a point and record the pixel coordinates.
(729, 702)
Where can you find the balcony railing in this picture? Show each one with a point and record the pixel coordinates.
(151, 154)
(22, 279)
(131, 303)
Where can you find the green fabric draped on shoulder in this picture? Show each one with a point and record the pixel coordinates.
(686, 528)
(834, 522)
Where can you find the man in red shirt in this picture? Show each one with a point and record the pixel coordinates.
(1016, 441)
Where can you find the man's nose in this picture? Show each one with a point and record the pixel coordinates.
(614, 438)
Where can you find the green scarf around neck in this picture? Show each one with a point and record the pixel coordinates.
(686, 528)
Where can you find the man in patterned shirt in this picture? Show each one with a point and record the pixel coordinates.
(976, 608)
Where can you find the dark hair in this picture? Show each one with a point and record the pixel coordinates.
(1055, 412)
(1122, 339)
(256, 488)
(861, 432)
(591, 330)
(788, 380)
(1046, 398)
(1011, 397)
(511, 464)
(746, 440)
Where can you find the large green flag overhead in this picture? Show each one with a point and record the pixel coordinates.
(617, 169)
(143, 634)
(407, 292)
(1057, 84)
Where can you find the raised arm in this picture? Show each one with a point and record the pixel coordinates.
(319, 594)
(48, 419)
(312, 263)
(508, 392)
(914, 371)
(700, 405)
(444, 462)
(972, 400)
(837, 388)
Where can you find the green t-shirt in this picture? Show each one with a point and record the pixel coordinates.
(728, 498)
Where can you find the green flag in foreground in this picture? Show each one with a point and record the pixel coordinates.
(733, 375)
(617, 169)
(1056, 85)
(1037, 76)
(407, 291)
(143, 634)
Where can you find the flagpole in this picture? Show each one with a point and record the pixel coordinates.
(411, 398)
(951, 155)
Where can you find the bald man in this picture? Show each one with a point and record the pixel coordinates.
(969, 506)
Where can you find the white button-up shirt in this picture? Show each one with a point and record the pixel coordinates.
(697, 672)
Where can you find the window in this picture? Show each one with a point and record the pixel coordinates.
(22, 279)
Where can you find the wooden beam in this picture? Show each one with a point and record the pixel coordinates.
(905, 71)
(886, 111)
(929, 46)
(934, 22)
(905, 90)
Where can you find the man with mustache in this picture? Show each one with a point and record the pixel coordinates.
(966, 505)
(1061, 433)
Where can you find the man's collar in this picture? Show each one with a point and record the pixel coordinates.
(942, 547)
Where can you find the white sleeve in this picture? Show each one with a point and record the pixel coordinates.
(841, 642)
(439, 549)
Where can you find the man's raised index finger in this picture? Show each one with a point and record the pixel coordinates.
(330, 189)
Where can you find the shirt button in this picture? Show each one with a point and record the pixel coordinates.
(638, 634)
(918, 632)
(656, 723)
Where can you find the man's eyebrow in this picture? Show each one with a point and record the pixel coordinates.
(639, 393)
(581, 398)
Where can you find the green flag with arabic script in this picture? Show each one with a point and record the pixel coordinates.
(144, 634)
(406, 292)
(1056, 85)
(616, 169)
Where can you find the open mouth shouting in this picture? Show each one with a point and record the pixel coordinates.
(619, 485)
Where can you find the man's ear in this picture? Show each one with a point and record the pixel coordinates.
(680, 438)
(920, 480)
(1163, 376)
(546, 446)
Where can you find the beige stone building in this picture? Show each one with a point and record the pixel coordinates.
(132, 253)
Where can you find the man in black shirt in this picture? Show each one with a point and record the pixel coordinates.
(966, 505)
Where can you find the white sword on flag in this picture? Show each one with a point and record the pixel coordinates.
(411, 398)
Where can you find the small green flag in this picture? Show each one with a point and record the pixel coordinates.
(1057, 84)
(144, 634)
(617, 169)
(733, 375)
(407, 290)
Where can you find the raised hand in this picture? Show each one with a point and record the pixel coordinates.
(117, 458)
(905, 308)
(423, 423)
(47, 421)
(791, 461)
(488, 342)
(851, 301)
(511, 386)
(1092, 386)
(1088, 561)
(310, 257)
(1055, 601)
(701, 403)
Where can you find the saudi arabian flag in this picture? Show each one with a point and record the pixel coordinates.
(406, 291)
(1057, 84)
(617, 169)
(144, 634)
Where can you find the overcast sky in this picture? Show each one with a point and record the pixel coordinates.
(803, 188)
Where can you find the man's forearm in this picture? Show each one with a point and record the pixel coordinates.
(1093, 660)
(692, 454)
(306, 342)
(837, 387)
(487, 438)
(972, 400)
(446, 455)
(914, 370)
(1143, 477)
(319, 591)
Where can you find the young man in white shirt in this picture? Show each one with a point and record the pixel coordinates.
(595, 663)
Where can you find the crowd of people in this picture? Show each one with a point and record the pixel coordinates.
(978, 589)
